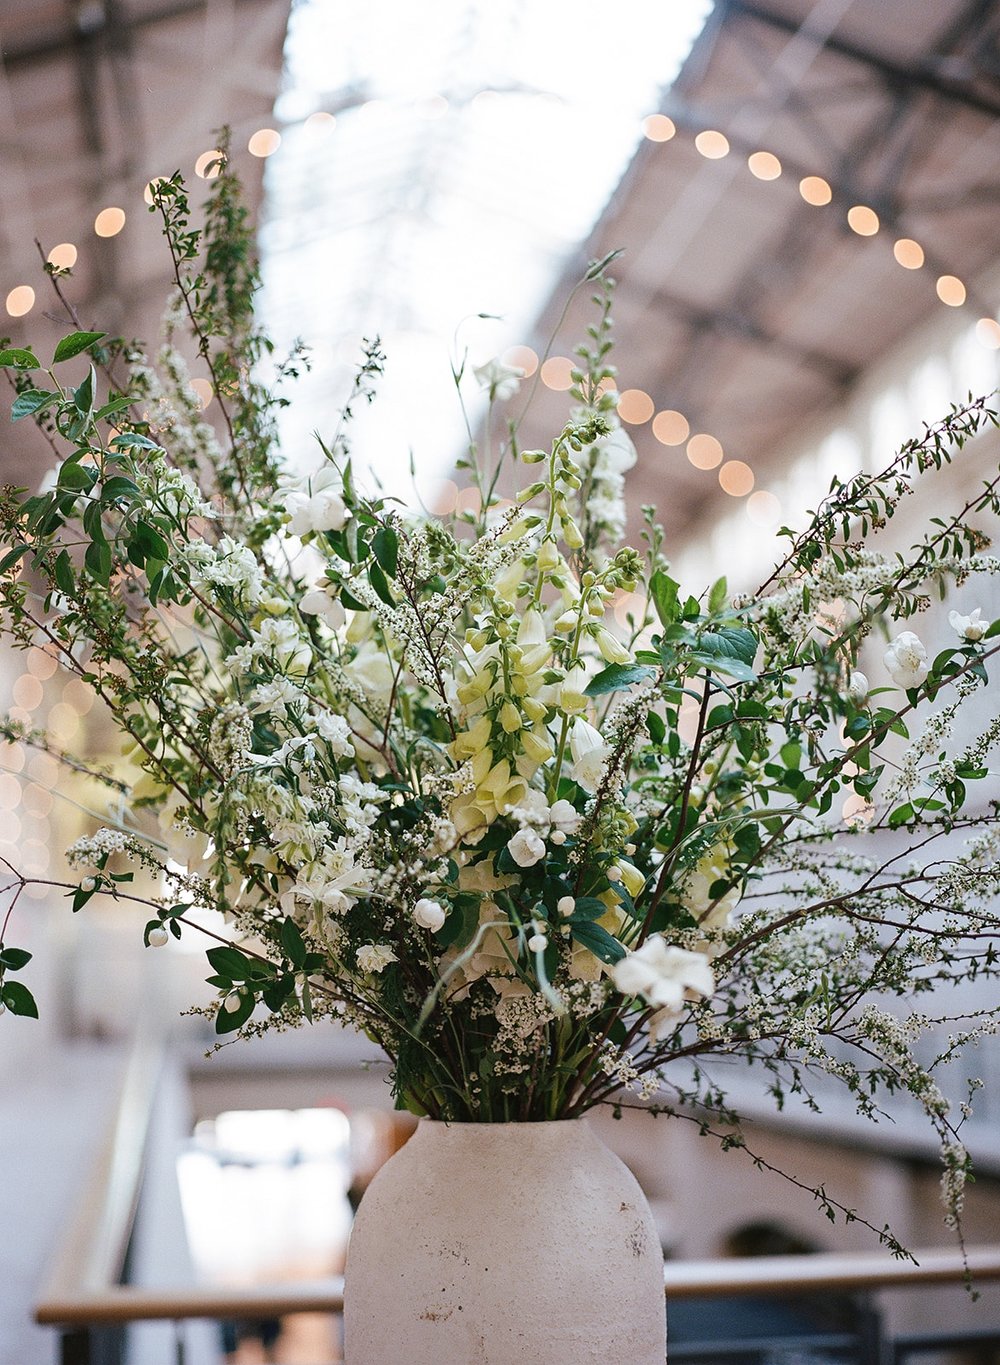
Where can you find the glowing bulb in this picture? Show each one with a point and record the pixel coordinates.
(149, 193)
(20, 300)
(736, 478)
(521, 358)
(27, 692)
(635, 406)
(951, 290)
(712, 144)
(209, 164)
(908, 253)
(320, 121)
(764, 165)
(763, 508)
(204, 392)
(815, 190)
(670, 427)
(63, 256)
(109, 222)
(265, 142)
(988, 333)
(704, 451)
(557, 372)
(658, 128)
(863, 220)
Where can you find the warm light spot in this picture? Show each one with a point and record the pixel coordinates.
(908, 253)
(36, 800)
(11, 827)
(27, 692)
(635, 406)
(658, 128)
(988, 333)
(79, 695)
(36, 858)
(856, 810)
(815, 190)
(63, 256)
(63, 723)
(265, 142)
(209, 164)
(557, 372)
(763, 508)
(764, 165)
(437, 495)
(109, 222)
(521, 358)
(20, 300)
(10, 796)
(630, 604)
(37, 893)
(736, 478)
(41, 663)
(435, 106)
(149, 193)
(44, 768)
(863, 220)
(320, 121)
(704, 451)
(670, 427)
(712, 144)
(482, 99)
(204, 391)
(605, 385)
(468, 500)
(950, 290)
(11, 757)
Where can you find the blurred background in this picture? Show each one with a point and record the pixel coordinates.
(805, 196)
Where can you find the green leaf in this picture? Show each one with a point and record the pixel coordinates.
(598, 940)
(98, 560)
(18, 999)
(719, 595)
(378, 581)
(83, 397)
(76, 476)
(65, 580)
(74, 344)
(119, 487)
(14, 958)
(656, 727)
(31, 400)
(230, 963)
(385, 547)
(730, 642)
(228, 1020)
(587, 909)
(665, 597)
(15, 358)
(292, 943)
(460, 926)
(616, 678)
(129, 440)
(12, 556)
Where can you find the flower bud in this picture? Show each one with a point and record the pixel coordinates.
(566, 905)
(157, 938)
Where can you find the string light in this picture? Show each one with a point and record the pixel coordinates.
(815, 190)
(988, 333)
(321, 121)
(658, 128)
(557, 373)
(265, 142)
(20, 300)
(763, 508)
(204, 392)
(521, 358)
(863, 220)
(635, 406)
(109, 222)
(63, 256)
(764, 165)
(670, 427)
(736, 478)
(950, 290)
(908, 253)
(712, 144)
(209, 164)
(704, 451)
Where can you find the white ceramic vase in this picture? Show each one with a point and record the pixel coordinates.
(504, 1244)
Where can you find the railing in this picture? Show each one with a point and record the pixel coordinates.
(84, 1299)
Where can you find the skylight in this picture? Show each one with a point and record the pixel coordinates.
(472, 146)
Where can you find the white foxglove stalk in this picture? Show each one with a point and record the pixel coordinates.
(526, 847)
(612, 650)
(906, 660)
(857, 688)
(590, 755)
(572, 698)
(429, 914)
(971, 627)
(375, 957)
(501, 381)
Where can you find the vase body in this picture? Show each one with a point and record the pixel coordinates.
(504, 1244)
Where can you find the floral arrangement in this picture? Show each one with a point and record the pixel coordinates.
(546, 854)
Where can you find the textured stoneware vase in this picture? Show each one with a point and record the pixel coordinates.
(504, 1244)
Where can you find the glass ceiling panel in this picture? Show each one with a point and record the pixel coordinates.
(472, 146)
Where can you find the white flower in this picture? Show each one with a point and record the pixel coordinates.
(335, 730)
(616, 452)
(566, 905)
(564, 817)
(664, 975)
(590, 755)
(318, 602)
(906, 660)
(502, 381)
(526, 848)
(375, 957)
(969, 627)
(429, 914)
(157, 938)
(537, 943)
(857, 688)
(316, 504)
